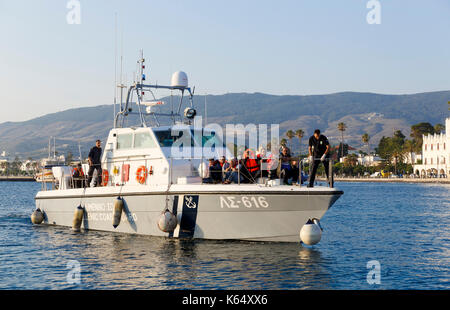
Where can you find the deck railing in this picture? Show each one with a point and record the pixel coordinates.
(75, 181)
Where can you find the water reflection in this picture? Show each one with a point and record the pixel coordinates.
(130, 261)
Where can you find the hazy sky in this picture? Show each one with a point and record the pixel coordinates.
(278, 47)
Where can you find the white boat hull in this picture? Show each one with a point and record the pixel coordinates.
(245, 212)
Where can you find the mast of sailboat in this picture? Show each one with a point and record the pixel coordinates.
(79, 150)
(115, 67)
(206, 113)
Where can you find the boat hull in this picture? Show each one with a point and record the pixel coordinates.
(250, 213)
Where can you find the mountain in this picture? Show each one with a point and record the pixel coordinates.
(378, 115)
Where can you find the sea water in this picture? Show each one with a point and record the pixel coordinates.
(403, 228)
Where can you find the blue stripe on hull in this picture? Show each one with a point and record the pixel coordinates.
(188, 216)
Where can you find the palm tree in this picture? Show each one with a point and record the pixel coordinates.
(283, 142)
(365, 139)
(290, 135)
(342, 127)
(299, 133)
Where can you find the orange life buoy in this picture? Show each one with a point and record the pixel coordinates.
(141, 174)
(105, 177)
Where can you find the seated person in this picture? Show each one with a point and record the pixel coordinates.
(222, 161)
(233, 173)
(267, 164)
(78, 177)
(215, 171)
(226, 167)
(286, 170)
(251, 166)
(294, 172)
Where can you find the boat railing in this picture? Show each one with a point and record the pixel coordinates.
(264, 177)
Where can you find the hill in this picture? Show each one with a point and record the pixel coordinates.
(375, 114)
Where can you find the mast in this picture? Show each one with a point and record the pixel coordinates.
(206, 113)
(79, 150)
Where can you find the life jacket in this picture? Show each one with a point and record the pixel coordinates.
(79, 173)
(269, 161)
(250, 161)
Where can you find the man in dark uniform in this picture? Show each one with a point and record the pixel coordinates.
(319, 148)
(94, 158)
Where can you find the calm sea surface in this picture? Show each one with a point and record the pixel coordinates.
(406, 227)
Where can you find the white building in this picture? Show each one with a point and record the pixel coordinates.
(436, 154)
(369, 160)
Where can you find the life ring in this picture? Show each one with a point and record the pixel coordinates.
(141, 174)
(105, 177)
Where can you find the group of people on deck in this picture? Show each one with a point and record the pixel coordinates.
(253, 166)
(245, 170)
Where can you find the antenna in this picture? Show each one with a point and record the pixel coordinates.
(115, 68)
(121, 70)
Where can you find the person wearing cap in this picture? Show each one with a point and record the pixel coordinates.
(94, 159)
(319, 148)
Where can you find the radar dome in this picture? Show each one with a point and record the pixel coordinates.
(179, 79)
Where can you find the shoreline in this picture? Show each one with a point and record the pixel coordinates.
(390, 180)
(17, 179)
(366, 180)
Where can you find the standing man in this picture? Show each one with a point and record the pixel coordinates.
(319, 148)
(94, 159)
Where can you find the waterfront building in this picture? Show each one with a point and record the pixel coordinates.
(369, 160)
(435, 154)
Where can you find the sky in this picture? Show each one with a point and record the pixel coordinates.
(298, 47)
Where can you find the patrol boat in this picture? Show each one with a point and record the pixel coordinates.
(146, 190)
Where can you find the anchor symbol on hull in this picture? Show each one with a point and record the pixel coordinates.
(189, 203)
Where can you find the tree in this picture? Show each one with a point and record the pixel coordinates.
(417, 132)
(299, 133)
(342, 127)
(283, 142)
(439, 128)
(365, 139)
(391, 150)
(351, 160)
(408, 147)
(290, 135)
(69, 158)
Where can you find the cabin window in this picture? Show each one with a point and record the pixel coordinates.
(124, 141)
(208, 137)
(165, 138)
(143, 140)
